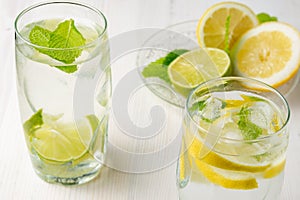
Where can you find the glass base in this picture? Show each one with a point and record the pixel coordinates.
(68, 173)
(69, 181)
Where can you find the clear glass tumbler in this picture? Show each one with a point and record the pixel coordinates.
(234, 141)
(64, 89)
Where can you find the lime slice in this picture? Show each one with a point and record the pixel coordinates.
(86, 129)
(56, 141)
(227, 179)
(196, 66)
(58, 145)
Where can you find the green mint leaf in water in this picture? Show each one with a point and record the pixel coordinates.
(227, 34)
(249, 130)
(66, 36)
(159, 68)
(264, 17)
(62, 40)
(34, 122)
(198, 106)
(40, 36)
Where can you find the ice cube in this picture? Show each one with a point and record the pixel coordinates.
(262, 114)
(232, 131)
(212, 109)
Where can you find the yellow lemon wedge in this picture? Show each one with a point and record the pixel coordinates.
(274, 170)
(225, 178)
(269, 52)
(222, 24)
(218, 161)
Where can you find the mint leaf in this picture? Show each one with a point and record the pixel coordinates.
(173, 55)
(40, 36)
(159, 68)
(227, 34)
(198, 106)
(249, 130)
(34, 122)
(64, 37)
(264, 17)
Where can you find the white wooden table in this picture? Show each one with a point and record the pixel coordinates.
(17, 179)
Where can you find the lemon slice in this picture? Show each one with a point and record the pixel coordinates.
(269, 52)
(62, 142)
(218, 161)
(274, 170)
(227, 179)
(211, 30)
(196, 66)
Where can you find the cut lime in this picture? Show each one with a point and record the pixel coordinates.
(86, 128)
(58, 145)
(196, 66)
(56, 141)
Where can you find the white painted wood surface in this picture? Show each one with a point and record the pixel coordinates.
(17, 179)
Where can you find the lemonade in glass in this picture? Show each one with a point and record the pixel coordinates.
(234, 141)
(64, 89)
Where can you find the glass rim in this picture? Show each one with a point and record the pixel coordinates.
(270, 88)
(45, 3)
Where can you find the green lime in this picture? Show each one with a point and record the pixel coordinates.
(196, 66)
(59, 141)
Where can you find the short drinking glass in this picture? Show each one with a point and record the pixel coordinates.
(234, 141)
(64, 89)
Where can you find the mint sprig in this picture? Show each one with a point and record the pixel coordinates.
(265, 17)
(159, 68)
(62, 39)
(249, 130)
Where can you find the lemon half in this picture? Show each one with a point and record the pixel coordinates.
(269, 52)
(211, 29)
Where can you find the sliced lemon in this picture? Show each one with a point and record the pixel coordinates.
(227, 179)
(196, 66)
(274, 170)
(238, 103)
(269, 52)
(211, 30)
(218, 161)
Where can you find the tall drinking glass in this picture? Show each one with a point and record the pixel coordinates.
(64, 89)
(234, 142)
